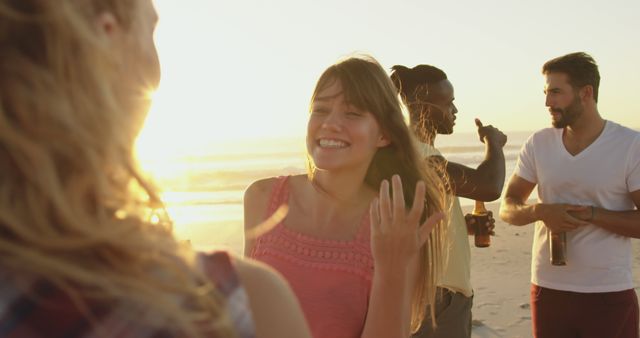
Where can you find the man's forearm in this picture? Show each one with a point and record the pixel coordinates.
(624, 223)
(492, 168)
(518, 213)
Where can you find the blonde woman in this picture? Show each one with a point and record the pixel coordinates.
(353, 252)
(84, 251)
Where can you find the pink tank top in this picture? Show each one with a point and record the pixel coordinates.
(331, 278)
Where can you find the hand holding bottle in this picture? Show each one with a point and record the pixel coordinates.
(471, 224)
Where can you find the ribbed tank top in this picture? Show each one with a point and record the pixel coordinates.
(331, 278)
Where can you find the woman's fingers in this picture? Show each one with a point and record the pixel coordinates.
(384, 205)
(397, 227)
(374, 214)
(390, 213)
(418, 203)
(425, 230)
(399, 208)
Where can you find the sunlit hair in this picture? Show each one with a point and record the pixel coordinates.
(74, 209)
(412, 84)
(580, 67)
(409, 82)
(367, 86)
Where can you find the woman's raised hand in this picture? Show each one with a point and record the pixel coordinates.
(396, 233)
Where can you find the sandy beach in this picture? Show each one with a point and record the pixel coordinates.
(501, 277)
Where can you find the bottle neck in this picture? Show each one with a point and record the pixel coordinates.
(479, 208)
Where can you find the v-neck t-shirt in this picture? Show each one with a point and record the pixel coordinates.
(602, 175)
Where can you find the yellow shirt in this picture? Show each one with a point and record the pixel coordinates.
(456, 275)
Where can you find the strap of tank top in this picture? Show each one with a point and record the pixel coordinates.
(278, 195)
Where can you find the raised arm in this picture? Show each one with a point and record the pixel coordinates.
(396, 239)
(485, 182)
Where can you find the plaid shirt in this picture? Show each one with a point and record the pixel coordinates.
(46, 311)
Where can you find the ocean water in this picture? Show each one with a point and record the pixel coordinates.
(204, 190)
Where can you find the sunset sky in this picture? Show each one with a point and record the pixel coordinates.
(245, 69)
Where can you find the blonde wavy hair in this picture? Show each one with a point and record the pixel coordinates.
(75, 210)
(367, 86)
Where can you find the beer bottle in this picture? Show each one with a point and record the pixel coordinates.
(558, 248)
(481, 217)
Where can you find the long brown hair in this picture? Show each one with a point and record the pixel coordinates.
(367, 86)
(75, 210)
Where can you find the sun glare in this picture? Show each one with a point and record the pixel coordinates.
(155, 148)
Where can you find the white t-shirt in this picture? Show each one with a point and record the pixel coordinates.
(602, 175)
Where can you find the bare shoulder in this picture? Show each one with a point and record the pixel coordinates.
(257, 195)
(296, 182)
(260, 190)
(256, 200)
(260, 187)
(275, 309)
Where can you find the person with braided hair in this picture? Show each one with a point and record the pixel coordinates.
(428, 96)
